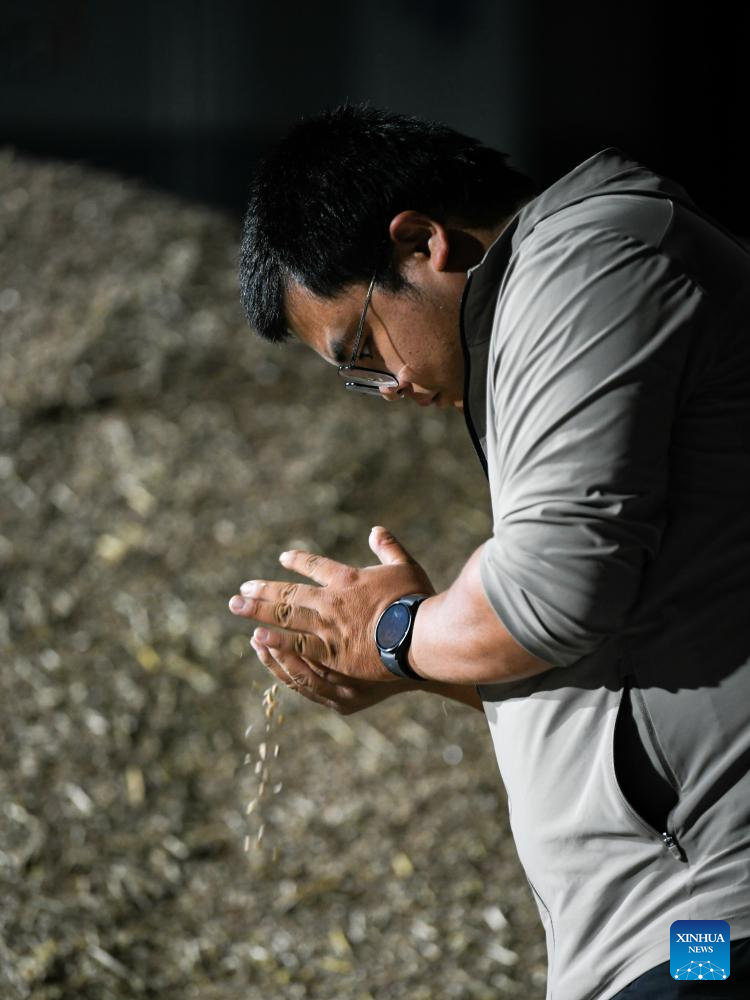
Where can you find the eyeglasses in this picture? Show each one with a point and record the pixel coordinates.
(359, 379)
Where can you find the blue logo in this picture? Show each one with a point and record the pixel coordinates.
(699, 949)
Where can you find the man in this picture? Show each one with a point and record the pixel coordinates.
(595, 335)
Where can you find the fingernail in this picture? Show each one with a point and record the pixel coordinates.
(261, 634)
(237, 603)
(248, 588)
(283, 557)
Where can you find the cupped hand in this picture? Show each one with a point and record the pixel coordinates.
(332, 625)
(345, 695)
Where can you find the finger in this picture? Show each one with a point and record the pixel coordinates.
(390, 394)
(387, 548)
(270, 664)
(302, 644)
(284, 615)
(281, 592)
(316, 567)
(309, 675)
(328, 674)
(296, 674)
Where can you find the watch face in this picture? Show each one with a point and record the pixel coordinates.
(392, 626)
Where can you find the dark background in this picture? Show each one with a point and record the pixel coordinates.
(189, 94)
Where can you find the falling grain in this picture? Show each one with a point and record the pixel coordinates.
(262, 769)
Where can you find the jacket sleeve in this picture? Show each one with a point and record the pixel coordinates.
(590, 343)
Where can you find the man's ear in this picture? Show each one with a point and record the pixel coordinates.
(414, 234)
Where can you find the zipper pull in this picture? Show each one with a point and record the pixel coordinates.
(672, 846)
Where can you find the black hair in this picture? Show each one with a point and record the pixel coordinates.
(321, 202)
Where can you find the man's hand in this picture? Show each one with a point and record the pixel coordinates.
(332, 625)
(345, 695)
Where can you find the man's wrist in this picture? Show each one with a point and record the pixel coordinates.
(394, 632)
(425, 609)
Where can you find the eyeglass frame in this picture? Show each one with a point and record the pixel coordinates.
(345, 370)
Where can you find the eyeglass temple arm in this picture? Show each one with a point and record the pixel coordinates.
(361, 325)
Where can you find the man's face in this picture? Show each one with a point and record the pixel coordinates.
(413, 333)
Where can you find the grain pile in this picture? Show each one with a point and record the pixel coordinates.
(153, 455)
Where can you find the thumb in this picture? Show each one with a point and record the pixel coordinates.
(387, 548)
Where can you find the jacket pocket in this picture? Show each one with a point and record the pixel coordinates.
(643, 776)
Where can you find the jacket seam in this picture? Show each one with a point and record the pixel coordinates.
(468, 418)
(551, 956)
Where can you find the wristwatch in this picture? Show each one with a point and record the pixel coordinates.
(393, 635)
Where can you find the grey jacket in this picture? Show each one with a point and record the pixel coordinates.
(607, 340)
